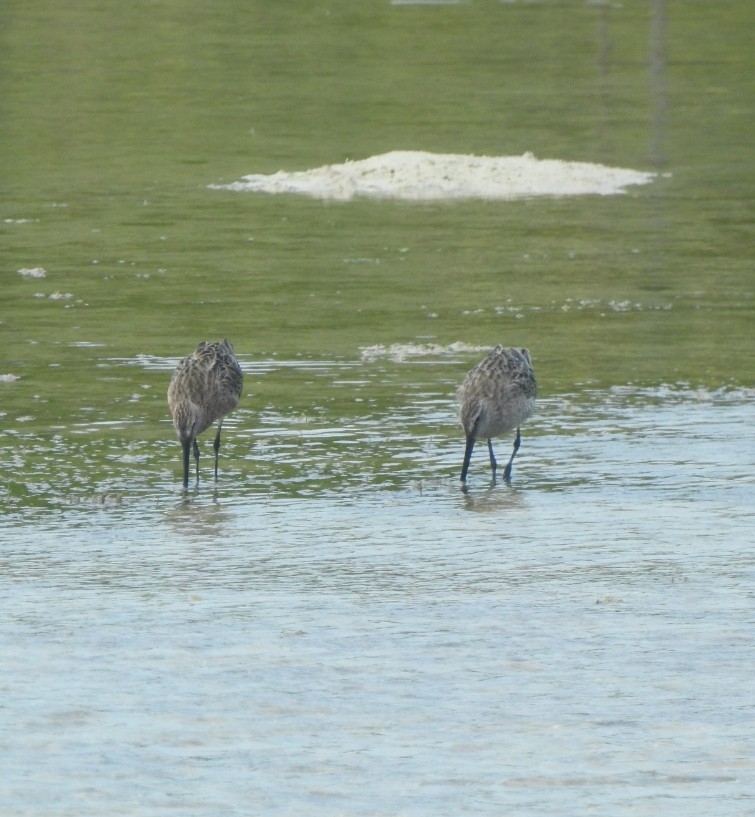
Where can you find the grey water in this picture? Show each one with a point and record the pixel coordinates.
(579, 641)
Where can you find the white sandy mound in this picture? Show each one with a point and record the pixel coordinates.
(420, 176)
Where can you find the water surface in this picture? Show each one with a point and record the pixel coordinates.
(334, 627)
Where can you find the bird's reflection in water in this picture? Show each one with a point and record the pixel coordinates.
(492, 498)
(198, 516)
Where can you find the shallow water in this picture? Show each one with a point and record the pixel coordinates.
(335, 627)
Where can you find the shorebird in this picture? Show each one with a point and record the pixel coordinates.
(205, 386)
(497, 396)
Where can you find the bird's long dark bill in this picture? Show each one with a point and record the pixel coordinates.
(467, 456)
(216, 446)
(187, 459)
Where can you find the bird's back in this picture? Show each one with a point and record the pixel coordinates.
(205, 386)
(499, 393)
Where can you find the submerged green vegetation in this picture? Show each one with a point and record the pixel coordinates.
(115, 122)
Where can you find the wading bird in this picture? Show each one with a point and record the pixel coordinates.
(205, 386)
(497, 396)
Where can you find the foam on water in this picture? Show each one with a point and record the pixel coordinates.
(413, 175)
(402, 351)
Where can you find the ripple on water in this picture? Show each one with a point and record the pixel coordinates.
(335, 611)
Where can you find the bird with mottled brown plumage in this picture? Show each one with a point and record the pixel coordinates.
(497, 396)
(205, 386)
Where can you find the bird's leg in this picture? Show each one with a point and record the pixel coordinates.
(196, 457)
(216, 446)
(471, 437)
(186, 445)
(493, 463)
(517, 443)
